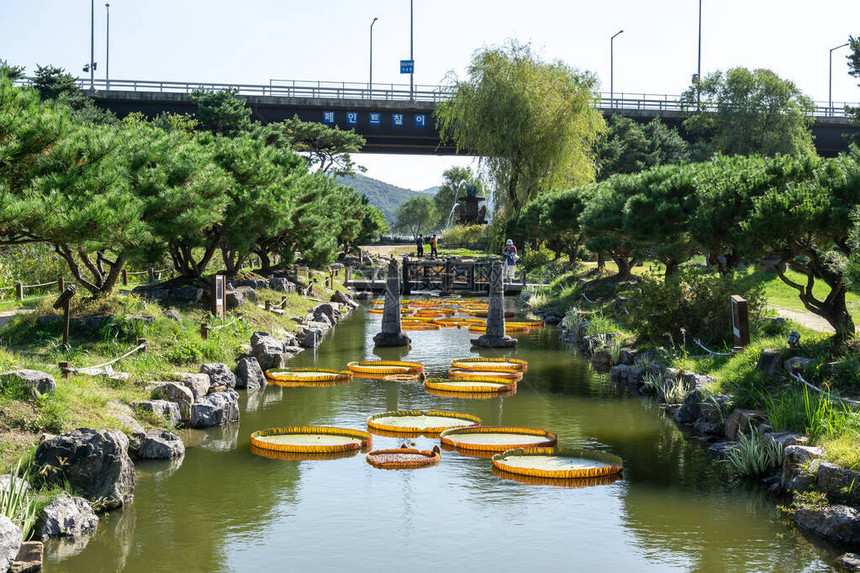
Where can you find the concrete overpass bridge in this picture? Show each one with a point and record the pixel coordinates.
(390, 117)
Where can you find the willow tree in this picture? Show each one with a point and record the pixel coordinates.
(534, 124)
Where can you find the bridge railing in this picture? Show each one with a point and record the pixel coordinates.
(401, 92)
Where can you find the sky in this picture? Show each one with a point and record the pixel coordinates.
(255, 41)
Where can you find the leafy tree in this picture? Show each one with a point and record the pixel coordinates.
(554, 217)
(416, 215)
(854, 71)
(630, 147)
(750, 112)
(602, 222)
(9, 71)
(452, 189)
(532, 123)
(221, 112)
(373, 223)
(328, 148)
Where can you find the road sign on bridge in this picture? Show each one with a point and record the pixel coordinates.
(407, 66)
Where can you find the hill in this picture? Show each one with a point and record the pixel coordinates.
(384, 196)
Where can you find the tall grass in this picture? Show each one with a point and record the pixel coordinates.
(818, 416)
(669, 390)
(755, 455)
(18, 503)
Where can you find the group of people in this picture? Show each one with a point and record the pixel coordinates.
(509, 254)
(432, 241)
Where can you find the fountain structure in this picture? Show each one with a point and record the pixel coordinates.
(470, 214)
(495, 336)
(391, 334)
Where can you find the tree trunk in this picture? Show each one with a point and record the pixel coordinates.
(625, 265)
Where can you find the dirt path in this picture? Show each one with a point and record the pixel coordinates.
(806, 319)
(6, 315)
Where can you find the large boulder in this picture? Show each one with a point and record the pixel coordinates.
(309, 336)
(840, 484)
(268, 350)
(159, 444)
(742, 421)
(838, 523)
(849, 561)
(769, 361)
(249, 375)
(94, 463)
(690, 409)
(343, 299)
(281, 284)
(160, 408)
(219, 374)
(68, 517)
(215, 409)
(36, 382)
(327, 310)
(798, 467)
(601, 361)
(234, 299)
(197, 382)
(248, 292)
(177, 393)
(10, 542)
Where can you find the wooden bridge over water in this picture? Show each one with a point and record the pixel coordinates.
(439, 275)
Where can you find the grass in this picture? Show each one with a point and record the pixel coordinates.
(755, 455)
(85, 401)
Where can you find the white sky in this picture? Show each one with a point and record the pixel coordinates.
(328, 40)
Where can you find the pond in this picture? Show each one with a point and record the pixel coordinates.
(223, 508)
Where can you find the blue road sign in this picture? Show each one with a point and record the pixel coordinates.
(397, 119)
(375, 118)
(328, 117)
(407, 66)
(352, 118)
(420, 120)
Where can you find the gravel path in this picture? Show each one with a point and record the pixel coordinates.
(807, 319)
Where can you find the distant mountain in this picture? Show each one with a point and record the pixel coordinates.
(432, 190)
(384, 196)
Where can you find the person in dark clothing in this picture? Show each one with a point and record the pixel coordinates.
(419, 245)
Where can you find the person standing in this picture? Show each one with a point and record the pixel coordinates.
(433, 243)
(419, 245)
(509, 257)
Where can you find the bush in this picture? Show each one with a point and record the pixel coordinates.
(755, 455)
(465, 235)
(695, 301)
(534, 259)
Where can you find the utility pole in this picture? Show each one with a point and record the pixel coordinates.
(411, 56)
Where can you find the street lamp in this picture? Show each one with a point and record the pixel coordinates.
(107, 49)
(91, 67)
(699, 67)
(370, 81)
(612, 68)
(411, 57)
(830, 81)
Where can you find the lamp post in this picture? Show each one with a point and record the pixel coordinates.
(107, 48)
(370, 80)
(612, 68)
(699, 66)
(830, 80)
(411, 56)
(92, 66)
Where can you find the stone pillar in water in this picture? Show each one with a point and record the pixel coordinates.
(391, 334)
(495, 336)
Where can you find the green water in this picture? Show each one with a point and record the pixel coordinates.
(224, 509)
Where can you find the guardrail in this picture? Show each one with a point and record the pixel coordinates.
(624, 101)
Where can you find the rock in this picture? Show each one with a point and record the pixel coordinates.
(268, 351)
(125, 416)
(327, 310)
(161, 408)
(722, 448)
(282, 285)
(628, 355)
(177, 393)
(671, 409)
(601, 361)
(185, 295)
(838, 523)
(693, 381)
(37, 383)
(197, 382)
(215, 409)
(797, 364)
(706, 427)
(173, 315)
(690, 410)
(159, 444)
(248, 292)
(619, 373)
(29, 558)
(289, 351)
(783, 438)
(568, 337)
(10, 542)
(849, 561)
(342, 298)
(798, 467)
(68, 517)
(742, 421)
(841, 485)
(94, 463)
(234, 299)
(249, 375)
(552, 320)
(219, 374)
(309, 337)
(363, 295)
(6, 480)
(769, 361)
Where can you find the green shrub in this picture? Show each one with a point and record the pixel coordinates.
(465, 235)
(695, 301)
(535, 259)
(755, 455)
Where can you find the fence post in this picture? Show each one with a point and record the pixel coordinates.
(151, 274)
(144, 342)
(125, 277)
(65, 369)
(523, 276)
(19, 291)
(346, 276)
(204, 331)
(61, 282)
(268, 305)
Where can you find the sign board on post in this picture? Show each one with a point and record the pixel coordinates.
(407, 66)
(740, 320)
(219, 291)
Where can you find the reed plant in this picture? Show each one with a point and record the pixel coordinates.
(755, 454)
(17, 502)
(669, 390)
